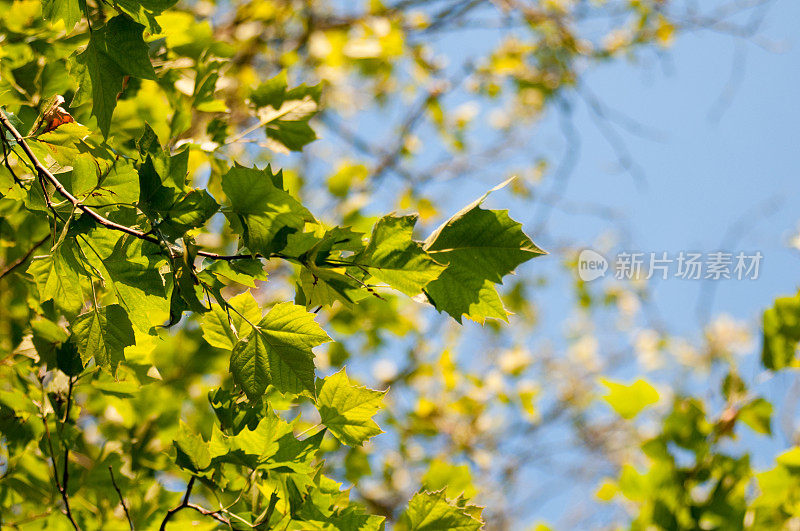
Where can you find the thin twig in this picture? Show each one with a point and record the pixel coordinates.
(121, 498)
(45, 174)
(65, 479)
(185, 504)
(24, 258)
(61, 486)
(5, 160)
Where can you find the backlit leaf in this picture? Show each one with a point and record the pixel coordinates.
(219, 324)
(114, 51)
(278, 352)
(431, 511)
(781, 333)
(395, 258)
(260, 211)
(102, 334)
(347, 409)
(479, 247)
(629, 400)
(57, 277)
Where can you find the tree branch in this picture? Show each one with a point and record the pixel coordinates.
(24, 258)
(182, 505)
(60, 485)
(121, 498)
(185, 504)
(45, 174)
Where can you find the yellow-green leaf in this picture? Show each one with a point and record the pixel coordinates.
(347, 409)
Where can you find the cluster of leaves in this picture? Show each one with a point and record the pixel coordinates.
(115, 256)
(151, 374)
(691, 479)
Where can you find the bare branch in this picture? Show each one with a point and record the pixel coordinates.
(121, 498)
(24, 258)
(185, 504)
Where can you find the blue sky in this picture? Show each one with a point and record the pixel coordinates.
(710, 181)
(729, 182)
(707, 178)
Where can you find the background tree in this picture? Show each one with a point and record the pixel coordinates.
(155, 370)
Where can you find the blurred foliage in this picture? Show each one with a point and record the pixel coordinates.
(156, 218)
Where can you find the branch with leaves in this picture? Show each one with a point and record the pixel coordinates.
(124, 219)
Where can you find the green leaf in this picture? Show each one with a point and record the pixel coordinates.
(119, 183)
(781, 333)
(285, 113)
(312, 249)
(758, 415)
(68, 359)
(99, 81)
(790, 459)
(354, 518)
(460, 292)
(162, 177)
(347, 409)
(293, 134)
(130, 268)
(455, 479)
(629, 400)
(126, 46)
(222, 329)
(263, 441)
(250, 447)
(115, 50)
(61, 144)
(67, 10)
(297, 455)
(395, 258)
(260, 211)
(205, 86)
(272, 92)
(431, 511)
(145, 11)
(191, 211)
(48, 338)
(243, 271)
(57, 278)
(192, 451)
(187, 292)
(83, 178)
(480, 247)
(278, 352)
(322, 287)
(102, 334)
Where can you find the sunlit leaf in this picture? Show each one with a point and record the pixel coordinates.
(347, 409)
(278, 352)
(102, 334)
(395, 258)
(431, 511)
(629, 400)
(479, 247)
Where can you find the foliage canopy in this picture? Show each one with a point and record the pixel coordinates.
(172, 301)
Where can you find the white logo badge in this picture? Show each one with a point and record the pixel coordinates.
(591, 265)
